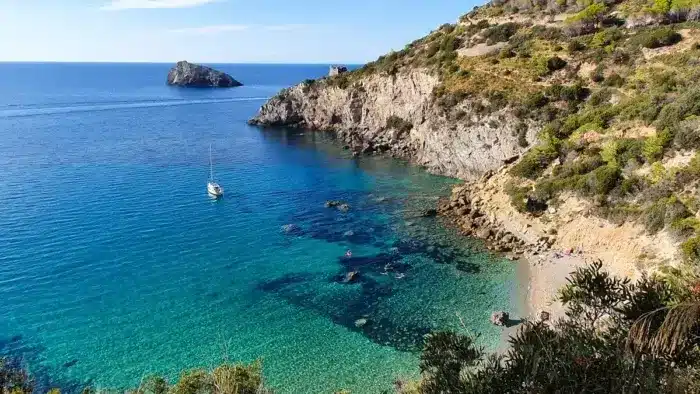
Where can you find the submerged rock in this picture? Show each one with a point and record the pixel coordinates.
(291, 229)
(359, 323)
(351, 277)
(429, 213)
(339, 205)
(333, 203)
(193, 75)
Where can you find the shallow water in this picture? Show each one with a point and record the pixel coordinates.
(114, 263)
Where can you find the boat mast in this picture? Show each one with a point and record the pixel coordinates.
(211, 166)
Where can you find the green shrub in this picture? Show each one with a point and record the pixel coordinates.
(518, 196)
(153, 385)
(606, 37)
(594, 13)
(575, 46)
(656, 38)
(614, 79)
(691, 249)
(597, 74)
(686, 226)
(600, 97)
(500, 33)
(603, 179)
(506, 53)
(687, 135)
(621, 56)
(610, 152)
(684, 106)
(535, 161)
(654, 146)
(555, 63)
(444, 357)
(535, 101)
(238, 379)
(196, 381)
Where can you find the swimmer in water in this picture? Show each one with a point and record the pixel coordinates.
(348, 253)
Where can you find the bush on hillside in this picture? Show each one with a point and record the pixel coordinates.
(575, 46)
(500, 33)
(656, 38)
(535, 161)
(597, 75)
(614, 80)
(555, 63)
(687, 135)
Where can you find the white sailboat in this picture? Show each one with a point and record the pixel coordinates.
(213, 188)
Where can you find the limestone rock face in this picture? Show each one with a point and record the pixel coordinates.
(193, 75)
(398, 115)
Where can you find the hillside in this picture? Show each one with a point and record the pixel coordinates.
(589, 111)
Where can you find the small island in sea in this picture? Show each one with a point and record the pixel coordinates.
(187, 74)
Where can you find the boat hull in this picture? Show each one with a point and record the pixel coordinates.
(215, 190)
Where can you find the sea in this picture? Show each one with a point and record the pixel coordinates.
(115, 264)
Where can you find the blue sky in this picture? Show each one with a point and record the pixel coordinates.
(225, 31)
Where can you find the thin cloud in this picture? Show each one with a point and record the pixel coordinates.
(284, 27)
(217, 29)
(117, 5)
(214, 29)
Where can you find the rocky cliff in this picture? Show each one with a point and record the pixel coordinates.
(193, 75)
(398, 115)
(593, 102)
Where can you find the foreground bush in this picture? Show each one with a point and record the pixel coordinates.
(224, 379)
(617, 337)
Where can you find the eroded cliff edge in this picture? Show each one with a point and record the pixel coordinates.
(399, 115)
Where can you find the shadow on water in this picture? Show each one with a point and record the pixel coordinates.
(17, 352)
(354, 310)
(354, 305)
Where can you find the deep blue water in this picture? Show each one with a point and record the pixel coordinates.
(114, 262)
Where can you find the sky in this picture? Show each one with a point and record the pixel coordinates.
(217, 31)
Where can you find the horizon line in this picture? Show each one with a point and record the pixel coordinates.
(174, 62)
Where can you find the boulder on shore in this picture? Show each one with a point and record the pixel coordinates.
(193, 75)
(500, 318)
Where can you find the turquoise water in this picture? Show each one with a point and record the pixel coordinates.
(114, 263)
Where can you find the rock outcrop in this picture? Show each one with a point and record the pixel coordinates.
(398, 115)
(193, 75)
(336, 70)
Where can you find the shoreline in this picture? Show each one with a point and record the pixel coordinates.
(549, 247)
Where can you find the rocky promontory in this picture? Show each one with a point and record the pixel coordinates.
(398, 115)
(193, 75)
